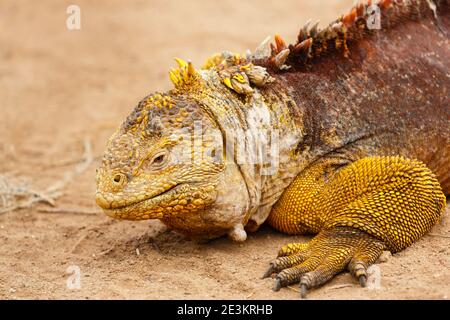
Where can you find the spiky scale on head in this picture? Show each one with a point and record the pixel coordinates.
(185, 76)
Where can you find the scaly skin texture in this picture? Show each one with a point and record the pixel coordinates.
(345, 134)
(392, 199)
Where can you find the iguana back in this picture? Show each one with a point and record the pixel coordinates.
(386, 93)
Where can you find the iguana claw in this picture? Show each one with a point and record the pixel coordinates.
(268, 272)
(277, 286)
(328, 254)
(363, 281)
(303, 291)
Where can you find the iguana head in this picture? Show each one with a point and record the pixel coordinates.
(196, 157)
(166, 162)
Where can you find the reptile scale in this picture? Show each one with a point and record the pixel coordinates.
(344, 134)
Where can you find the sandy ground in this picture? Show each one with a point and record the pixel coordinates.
(60, 87)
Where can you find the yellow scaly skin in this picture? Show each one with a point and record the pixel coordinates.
(344, 167)
(375, 203)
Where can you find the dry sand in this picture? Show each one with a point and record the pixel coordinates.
(59, 87)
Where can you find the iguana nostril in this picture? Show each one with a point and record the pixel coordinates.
(119, 179)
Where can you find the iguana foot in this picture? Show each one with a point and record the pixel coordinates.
(330, 252)
(356, 211)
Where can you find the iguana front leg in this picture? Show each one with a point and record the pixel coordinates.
(372, 204)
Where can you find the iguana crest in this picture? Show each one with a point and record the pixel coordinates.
(242, 72)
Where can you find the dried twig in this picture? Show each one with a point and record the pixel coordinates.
(293, 289)
(341, 286)
(439, 235)
(75, 246)
(68, 162)
(87, 160)
(69, 210)
(105, 252)
(18, 196)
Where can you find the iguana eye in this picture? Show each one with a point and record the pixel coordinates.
(159, 160)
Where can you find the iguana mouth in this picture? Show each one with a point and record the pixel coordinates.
(117, 207)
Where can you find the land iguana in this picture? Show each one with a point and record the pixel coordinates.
(344, 134)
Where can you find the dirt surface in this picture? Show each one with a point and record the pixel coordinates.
(59, 88)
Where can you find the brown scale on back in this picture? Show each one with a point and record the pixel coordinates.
(372, 166)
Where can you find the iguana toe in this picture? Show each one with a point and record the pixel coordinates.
(329, 253)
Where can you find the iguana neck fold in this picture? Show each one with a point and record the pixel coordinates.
(260, 133)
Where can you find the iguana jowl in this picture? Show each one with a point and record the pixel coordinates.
(345, 134)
